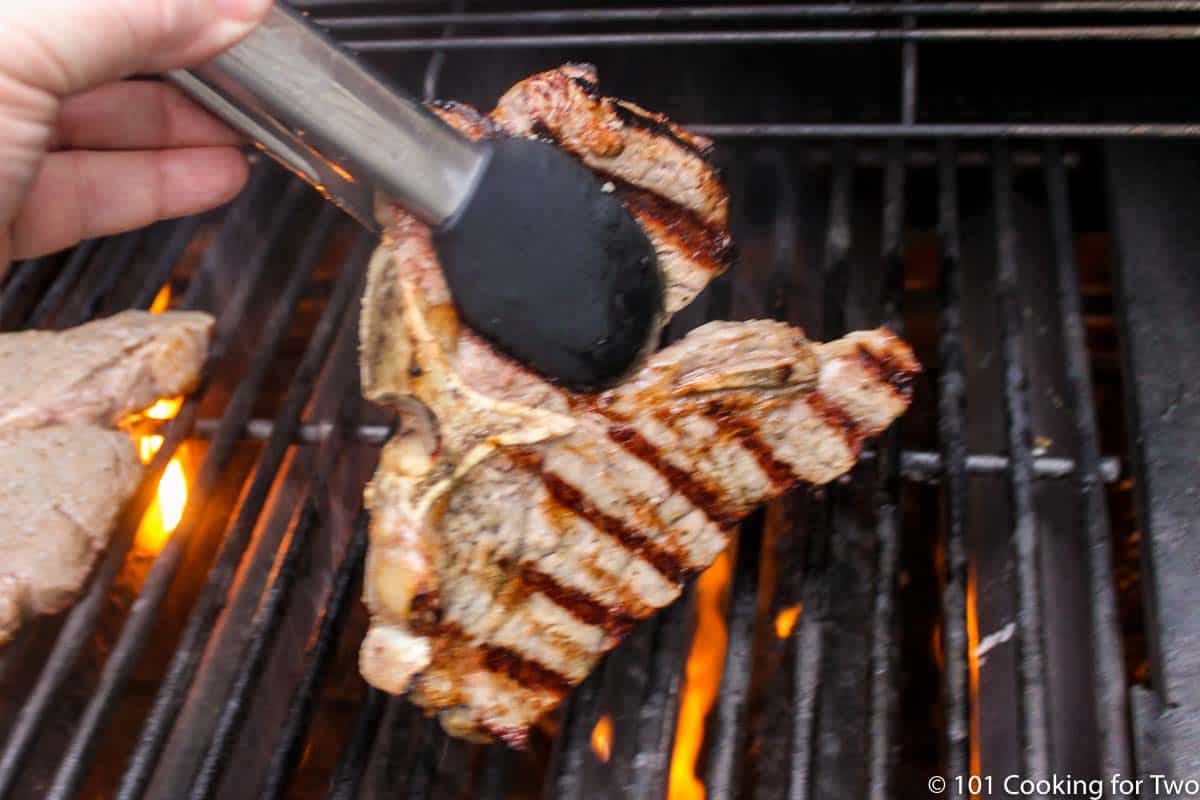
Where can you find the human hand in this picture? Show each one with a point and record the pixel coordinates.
(84, 152)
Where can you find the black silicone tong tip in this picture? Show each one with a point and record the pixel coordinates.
(546, 263)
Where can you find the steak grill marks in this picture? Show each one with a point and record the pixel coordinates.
(525, 671)
(711, 247)
(656, 125)
(885, 368)
(746, 431)
(836, 419)
(614, 621)
(699, 493)
(575, 501)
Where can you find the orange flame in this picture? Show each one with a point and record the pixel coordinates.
(164, 409)
(148, 447)
(935, 645)
(164, 513)
(973, 671)
(162, 300)
(785, 620)
(602, 738)
(705, 663)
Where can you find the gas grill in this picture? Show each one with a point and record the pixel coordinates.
(1005, 585)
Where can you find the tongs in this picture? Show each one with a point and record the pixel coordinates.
(539, 258)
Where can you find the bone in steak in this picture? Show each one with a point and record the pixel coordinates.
(66, 471)
(518, 530)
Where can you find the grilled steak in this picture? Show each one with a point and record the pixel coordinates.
(102, 371)
(518, 530)
(66, 471)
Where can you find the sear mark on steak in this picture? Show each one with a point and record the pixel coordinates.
(518, 531)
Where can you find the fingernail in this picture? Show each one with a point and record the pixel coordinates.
(242, 10)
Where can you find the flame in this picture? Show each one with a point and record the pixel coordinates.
(705, 663)
(162, 300)
(935, 645)
(602, 738)
(164, 409)
(973, 671)
(164, 513)
(785, 620)
(172, 495)
(148, 446)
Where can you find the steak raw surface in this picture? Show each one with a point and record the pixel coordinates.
(67, 472)
(102, 371)
(518, 530)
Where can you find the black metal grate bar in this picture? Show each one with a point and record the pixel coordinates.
(204, 611)
(952, 399)
(726, 729)
(58, 290)
(1111, 700)
(182, 233)
(887, 502)
(810, 640)
(352, 763)
(657, 714)
(287, 751)
(137, 629)
(915, 465)
(17, 286)
(304, 699)
(749, 12)
(497, 768)
(938, 131)
(1033, 710)
(124, 248)
(567, 779)
(261, 636)
(268, 618)
(808, 37)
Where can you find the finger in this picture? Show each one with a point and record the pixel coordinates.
(79, 194)
(132, 115)
(64, 47)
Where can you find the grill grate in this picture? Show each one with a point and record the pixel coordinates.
(964, 232)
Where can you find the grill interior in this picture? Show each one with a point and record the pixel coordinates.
(993, 180)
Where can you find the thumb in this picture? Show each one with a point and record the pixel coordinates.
(66, 46)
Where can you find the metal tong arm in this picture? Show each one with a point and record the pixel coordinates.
(324, 115)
